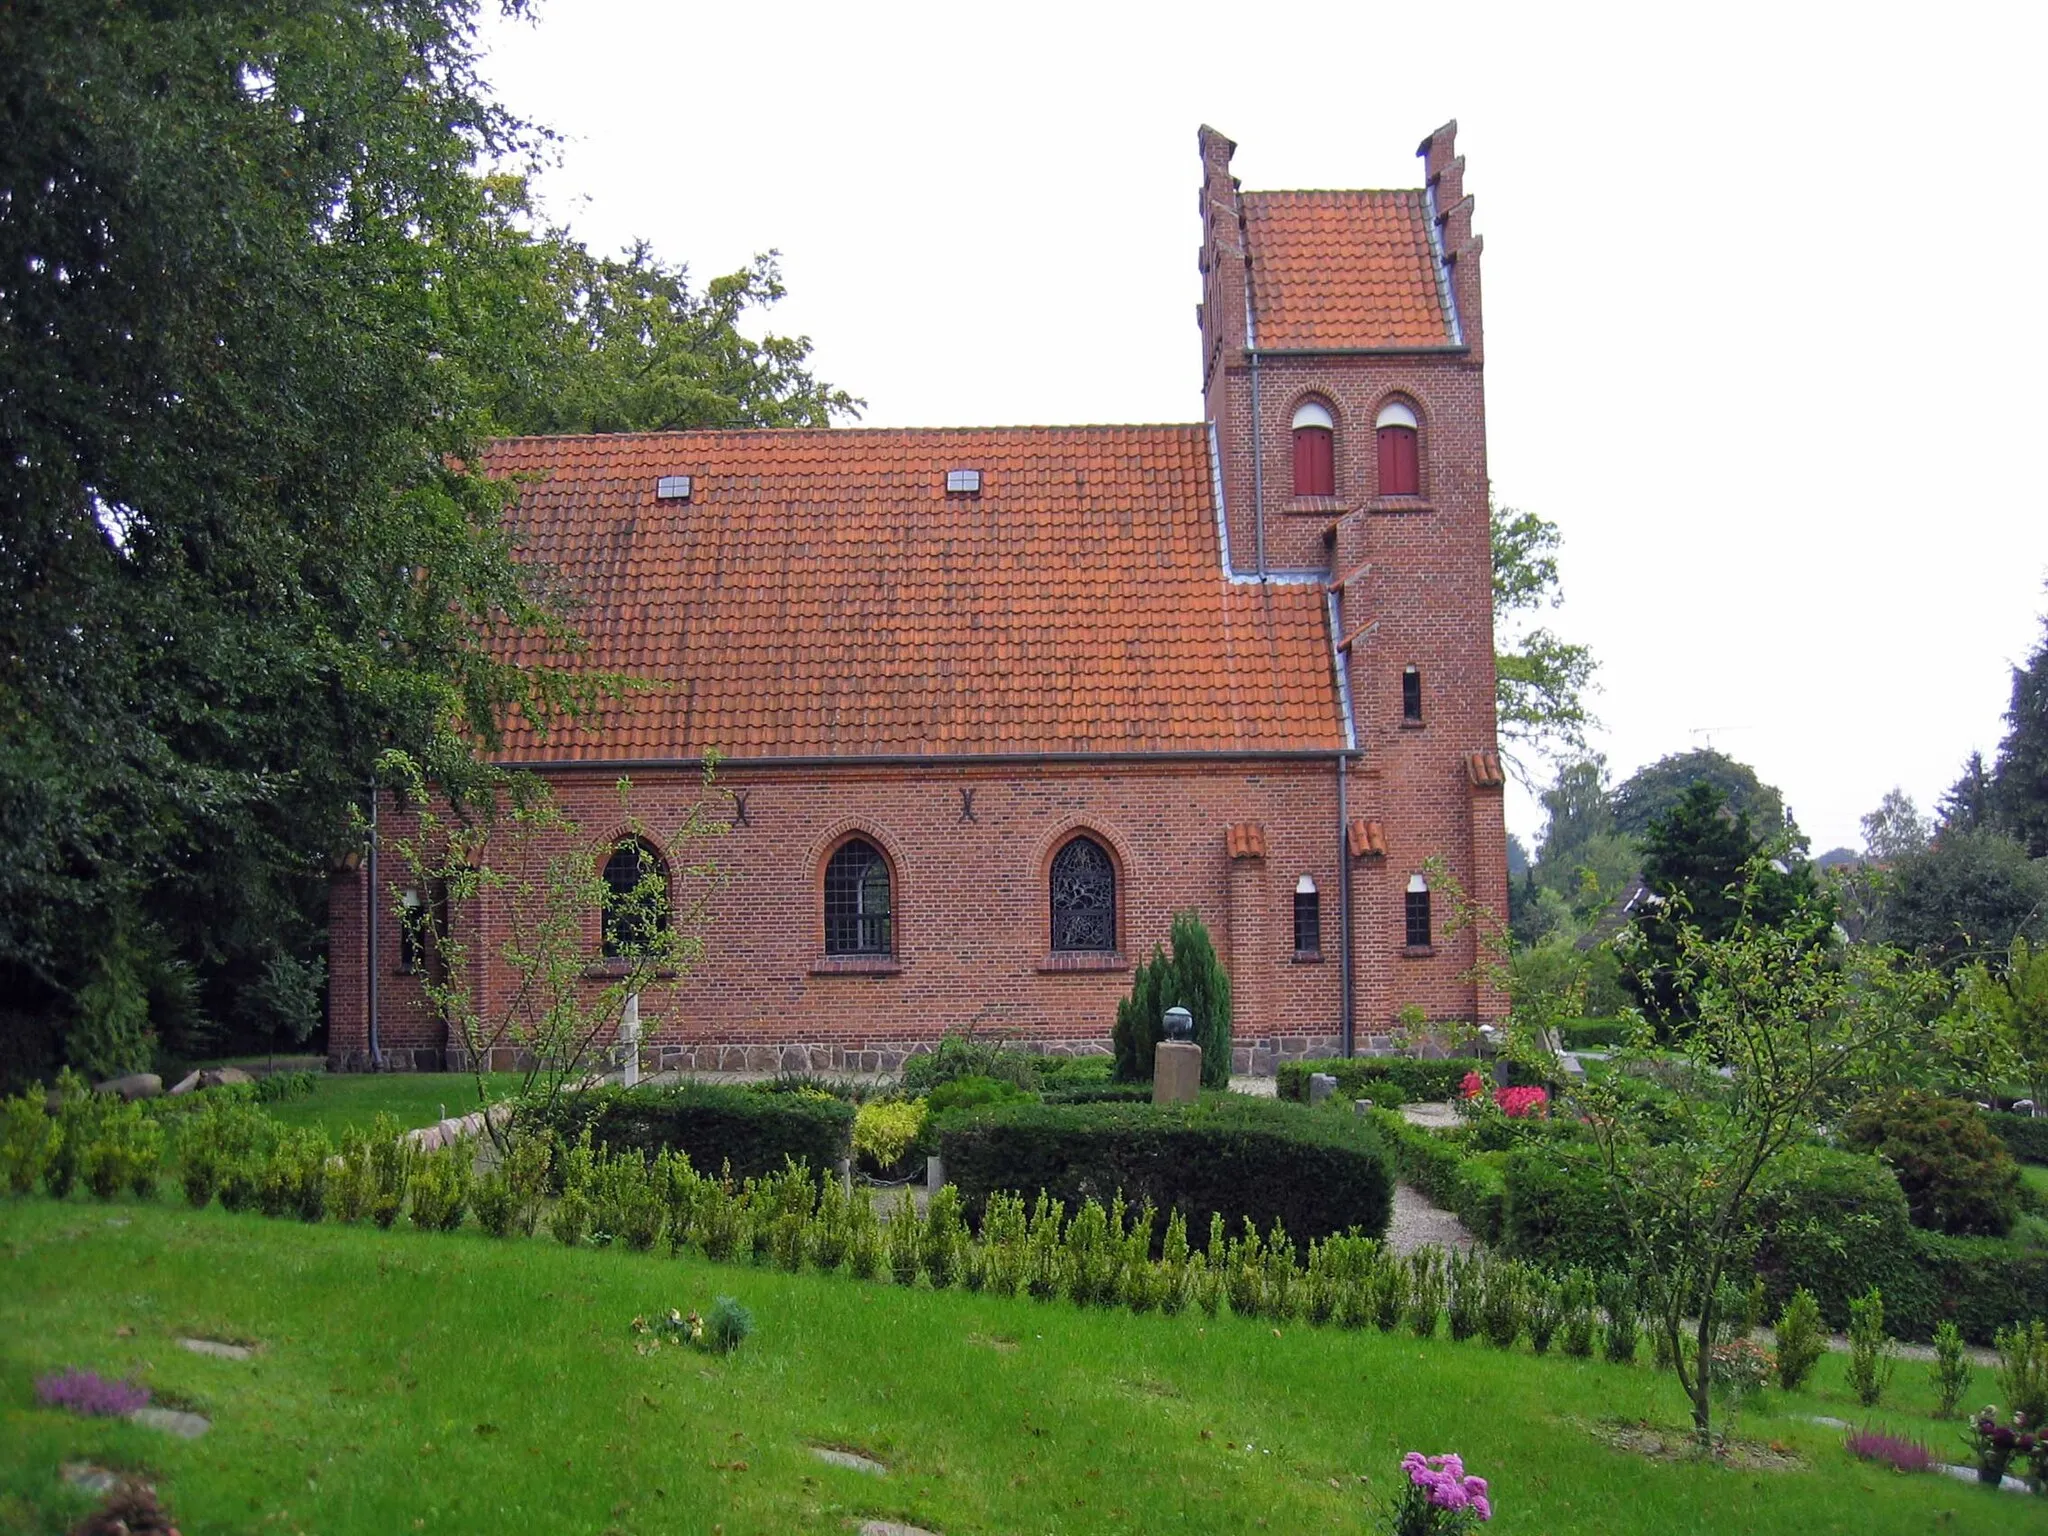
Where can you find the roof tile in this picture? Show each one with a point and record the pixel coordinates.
(1343, 269)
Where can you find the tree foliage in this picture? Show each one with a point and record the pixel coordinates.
(258, 312)
(1655, 790)
(1965, 898)
(2019, 783)
(1540, 680)
(1698, 859)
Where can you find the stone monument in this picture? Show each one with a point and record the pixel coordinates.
(1177, 1063)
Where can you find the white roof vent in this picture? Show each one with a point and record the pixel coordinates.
(672, 488)
(963, 482)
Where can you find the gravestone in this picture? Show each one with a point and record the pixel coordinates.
(1320, 1086)
(1176, 1072)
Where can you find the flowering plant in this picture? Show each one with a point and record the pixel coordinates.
(1523, 1103)
(1473, 1086)
(90, 1393)
(1441, 1498)
(1997, 1444)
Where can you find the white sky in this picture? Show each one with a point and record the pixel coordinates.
(1763, 290)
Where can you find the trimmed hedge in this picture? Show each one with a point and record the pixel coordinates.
(1471, 1188)
(1389, 1081)
(1557, 1212)
(2025, 1136)
(1099, 1093)
(1233, 1156)
(756, 1132)
(1597, 1034)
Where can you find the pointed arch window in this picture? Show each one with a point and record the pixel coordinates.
(1083, 897)
(1308, 917)
(1400, 461)
(859, 919)
(1315, 450)
(636, 905)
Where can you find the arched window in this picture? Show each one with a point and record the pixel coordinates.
(1400, 464)
(1083, 896)
(1308, 917)
(1418, 913)
(858, 919)
(635, 899)
(1315, 456)
(1411, 695)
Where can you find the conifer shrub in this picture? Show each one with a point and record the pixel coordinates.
(1957, 1176)
(1188, 975)
(1801, 1337)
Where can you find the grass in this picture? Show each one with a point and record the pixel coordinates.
(339, 1100)
(418, 1382)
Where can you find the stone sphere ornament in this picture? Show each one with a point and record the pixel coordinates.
(1180, 1024)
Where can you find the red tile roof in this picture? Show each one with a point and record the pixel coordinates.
(1343, 269)
(820, 595)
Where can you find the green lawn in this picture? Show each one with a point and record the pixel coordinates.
(420, 1382)
(342, 1099)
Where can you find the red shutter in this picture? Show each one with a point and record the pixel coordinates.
(1314, 463)
(1400, 471)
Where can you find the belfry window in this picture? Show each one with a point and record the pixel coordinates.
(1083, 897)
(1411, 695)
(1400, 462)
(1315, 453)
(1418, 913)
(858, 919)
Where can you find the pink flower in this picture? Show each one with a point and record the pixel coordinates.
(1473, 1086)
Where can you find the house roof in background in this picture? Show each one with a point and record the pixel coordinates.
(821, 595)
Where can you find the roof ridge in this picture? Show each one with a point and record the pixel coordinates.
(703, 432)
(1339, 192)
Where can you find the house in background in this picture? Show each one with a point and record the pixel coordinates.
(994, 704)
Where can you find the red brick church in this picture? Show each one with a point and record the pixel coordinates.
(993, 704)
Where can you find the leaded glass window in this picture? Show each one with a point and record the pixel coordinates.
(857, 915)
(635, 899)
(1083, 897)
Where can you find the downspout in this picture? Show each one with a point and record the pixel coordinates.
(1347, 1023)
(370, 917)
(1258, 473)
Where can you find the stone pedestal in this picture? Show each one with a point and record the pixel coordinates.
(1176, 1072)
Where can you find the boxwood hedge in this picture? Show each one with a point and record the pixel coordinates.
(1319, 1172)
(714, 1124)
(2025, 1136)
(1469, 1186)
(1388, 1081)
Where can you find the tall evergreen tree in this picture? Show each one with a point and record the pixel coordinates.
(2019, 782)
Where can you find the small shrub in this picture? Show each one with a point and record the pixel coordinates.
(352, 1187)
(1624, 1327)
(904, 1237)
(1425, 1291)
(830, 1233)
(1529, 1103)
(1545, 1310)
(1741, 1370)
(276, 1087)
(864, 1236)
(1950, 1373)
(1872, 1354)
(945, 1245)
(1005, 1226)
(885, 1131)
(1045, 1253)
(1465, 1294)
(967, 1093)
(1091, 1257)
(727, 1325)
(91, 1394)
(440, 1189)
(28, 1137)
(960, 1055)
(1439, 1498)
(1895, 1451)
(493, 1203)
(1801, 1337)
(1389, 1297)
(1957, 1176)
(1577, 1299)
(2023, 1369)
(392, 1160)
(1504, 1301)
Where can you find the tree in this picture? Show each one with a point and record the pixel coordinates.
(509, 849)
(258, 315)
(1579, 807)
(1965, 898)
(1896, 829)
(1695, 859)
(1191, 977)
(2011, 1000)
(2019, 781)
(1967, 805)
(1800, 1024)
(1540, 680)
(1653, 791)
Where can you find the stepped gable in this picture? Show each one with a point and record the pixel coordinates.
(822, 595)
(1344, 270)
